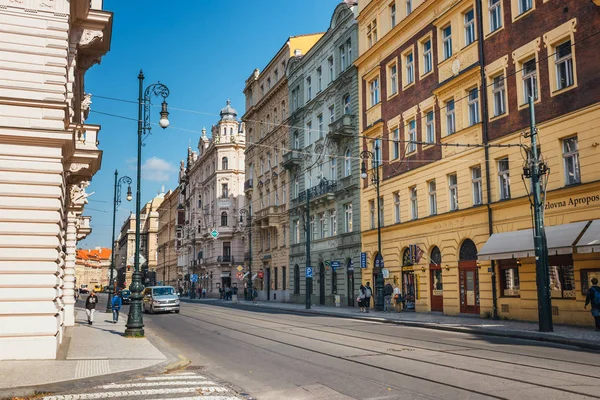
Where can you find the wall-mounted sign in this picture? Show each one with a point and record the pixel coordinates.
(581, 201)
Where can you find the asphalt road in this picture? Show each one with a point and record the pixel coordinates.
(277, 355)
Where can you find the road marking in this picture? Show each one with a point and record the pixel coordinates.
(151, 384)
(148, 392)
(166, 378)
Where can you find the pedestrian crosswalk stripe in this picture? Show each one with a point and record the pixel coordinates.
(143, 392)
(167, 377)
(150, 384)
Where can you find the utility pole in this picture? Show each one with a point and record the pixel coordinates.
(539, 169)
(307, 228)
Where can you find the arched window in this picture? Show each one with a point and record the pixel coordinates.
(348, 163)
(468, 251)
(224, 218)
(296, 279)
(347, 104)
(436, 256)
(268, 122)
(224, 163)
(406, 258)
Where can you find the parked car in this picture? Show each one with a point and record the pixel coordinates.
(160, 298)
(83, 289)
(97, 288)
(125, 296)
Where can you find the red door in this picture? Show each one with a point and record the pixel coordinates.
(469, 287)
(437, 288)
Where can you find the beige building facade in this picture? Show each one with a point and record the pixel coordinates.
(92, 267)
(48, 155)
(167, 271)
(266, 186)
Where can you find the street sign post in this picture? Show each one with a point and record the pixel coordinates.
(239, 275)
(194, 278)
(363, 260)
(240, 268)
(379, 261)
(309, 272)
(214, 233)
(335, 265)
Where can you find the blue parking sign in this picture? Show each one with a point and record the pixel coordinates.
(309, 272)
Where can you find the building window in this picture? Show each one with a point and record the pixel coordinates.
(427, 57)
(509, 280)
(332, 223)
(347, 104)
(308, 88)
(393, 71)
(410, 69)
(571, 160)
(504, 178)
(224, 163)
(469, 17)
(319, 79)
(224, 190)
(453, 191)
(450, 121)
(429, 127)
(562, 278)
(396, 144)
(342, 58)
(322, 226)
(408, 7)
(473, 106)
(331, 113)
(348, 217)
(381, 219)
(282, 111)
(333, 170)
(372, 33)
(374, 90)
(396, 207)
(224, 218)
(296, 141)
(525, 5)
(312, 227)
(432, 198)
(529, 80)
(309, 132)
(414, 204)
(412, 136)
(495, 11)
(372, 213)
(447, 41)
(347, 163)
(564, 65)
(499, 95)
(477, 187)
(377, 153)
(320, 124)
(393, 14)
(296, 187)
(330, 65)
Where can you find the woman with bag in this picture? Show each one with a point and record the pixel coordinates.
(397, 297)
(361, 298)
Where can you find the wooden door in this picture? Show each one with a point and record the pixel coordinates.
(469, 287)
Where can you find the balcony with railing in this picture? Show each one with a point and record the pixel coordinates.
(291, 159)
(225, 259)
(342, 128)
(324, 191)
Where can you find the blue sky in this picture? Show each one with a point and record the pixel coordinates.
(203, 50)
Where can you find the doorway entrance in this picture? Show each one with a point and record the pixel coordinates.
(437, 288)
(350, 291)
(268, 282)
(468, 276)
(322, 284)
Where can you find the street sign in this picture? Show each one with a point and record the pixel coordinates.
(240, 268)
(327, 263)
(379, 261)
(386, 273)
(351, 267)
(363, 260)
(194, 278)
(214, 233)
(239, 275)
(131, 260)
(260, 274)
(335, 265)
(309, 272)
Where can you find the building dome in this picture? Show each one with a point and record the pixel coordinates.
(228, 113)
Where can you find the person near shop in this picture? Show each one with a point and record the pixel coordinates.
(368, 294)
(117, 302)
(203, 293)
(593, 298)
(388, 291)
(90, 307)
(254, 296)
(398, 297)
(361, 298)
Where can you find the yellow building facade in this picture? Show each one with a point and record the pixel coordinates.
(448, 112)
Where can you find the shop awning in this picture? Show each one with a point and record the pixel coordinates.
(590, 241)
(519, 244)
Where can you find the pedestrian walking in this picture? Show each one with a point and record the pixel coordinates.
(368, 294)
(593, 297)
(90, 307)
(117, 302)
(203, 293)
(388, 291)
(221, 292)
(397, 296)
(361, 298)
(254, 296)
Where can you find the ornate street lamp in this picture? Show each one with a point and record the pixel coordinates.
(248, 213)
(378, 268)
(116, 202)
(135, 323)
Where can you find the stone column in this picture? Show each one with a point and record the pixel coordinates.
(68, 292)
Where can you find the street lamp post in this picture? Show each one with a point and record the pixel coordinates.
(135, 323)
(378, 268)
(116, 202)
(248, 212)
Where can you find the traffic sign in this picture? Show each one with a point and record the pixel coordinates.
(379, 261)
(239, 275)
(240, 268)
(214, 233)
(363, 260)
(351, 267)
(194, 278)
(309, 272)
(335, 265)
(260, 274)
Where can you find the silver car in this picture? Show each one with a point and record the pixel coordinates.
(160, 298)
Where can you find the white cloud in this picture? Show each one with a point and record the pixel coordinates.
(157, 169)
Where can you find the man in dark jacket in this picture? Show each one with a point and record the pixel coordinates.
(90, 307)
(388, 291)
(593, 296)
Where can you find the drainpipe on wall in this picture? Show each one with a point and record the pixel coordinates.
(484, 126)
